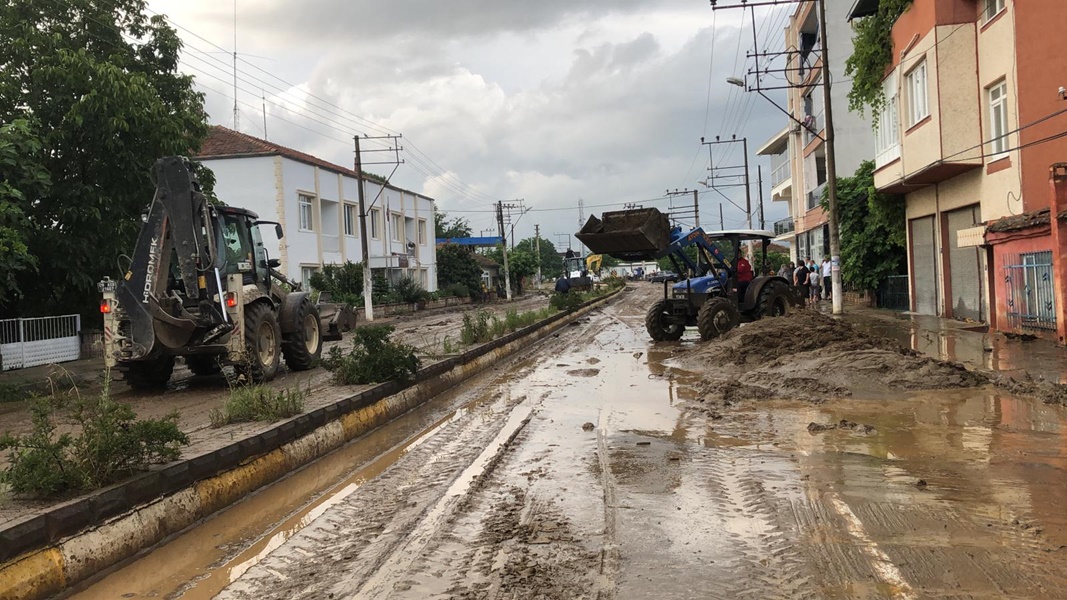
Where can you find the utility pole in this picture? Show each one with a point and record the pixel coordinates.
(731, 179)
(263, 95)
(696, 208)
(364, 243)
(831, 168)
(748, 190)
(504, 248)
(368, 285)
(537, 249)
(722, 223)
(759, 184)
(581, 223)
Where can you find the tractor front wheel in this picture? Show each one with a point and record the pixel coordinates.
(658, 327)
(716, 317)
(263, 343)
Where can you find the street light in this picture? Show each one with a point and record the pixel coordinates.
(736, 81)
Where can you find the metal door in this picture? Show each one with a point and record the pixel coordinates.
(964, 266)
(924, 265)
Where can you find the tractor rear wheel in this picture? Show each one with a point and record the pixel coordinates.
(717, 316)
(263, 343)
(658, 327)
(150, 374)
(303, 347)
(203, 364)
(773, 301)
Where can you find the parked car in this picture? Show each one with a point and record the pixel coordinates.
(663, 276)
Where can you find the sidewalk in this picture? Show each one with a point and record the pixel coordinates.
(961, 342)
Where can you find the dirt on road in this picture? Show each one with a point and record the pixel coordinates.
(811, 356)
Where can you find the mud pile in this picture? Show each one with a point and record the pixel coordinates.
(811, 356)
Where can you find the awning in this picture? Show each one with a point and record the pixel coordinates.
(863, 8)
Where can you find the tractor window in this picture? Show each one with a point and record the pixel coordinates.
(237, 245)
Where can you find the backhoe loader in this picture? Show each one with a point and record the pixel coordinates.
(200, 285)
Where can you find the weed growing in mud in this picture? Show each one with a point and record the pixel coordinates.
(567, 302)
(109, 444)
(10, 392)
(259, 403)
(484, 326)
(477, 328)
(373, 358)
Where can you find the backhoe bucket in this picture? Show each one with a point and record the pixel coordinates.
(638, 234)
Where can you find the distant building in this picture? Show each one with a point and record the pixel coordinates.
(798, 153)
(968, 135)
(317, 203)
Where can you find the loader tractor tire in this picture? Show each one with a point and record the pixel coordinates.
(148, 374)
(203, 364)
(263, 344)
(657, 326)
(773, 301)
(716, 317)
(302, 348)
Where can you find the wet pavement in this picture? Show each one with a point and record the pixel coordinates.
(587, 468)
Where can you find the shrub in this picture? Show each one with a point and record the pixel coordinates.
(373, 358)
(339, 280)
(456, 289)
(111, 444)
(566, 301)
(259, 403)
(406, 289)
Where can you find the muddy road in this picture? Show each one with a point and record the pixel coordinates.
(600, 465)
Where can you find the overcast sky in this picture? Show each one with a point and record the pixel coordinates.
(549, 101)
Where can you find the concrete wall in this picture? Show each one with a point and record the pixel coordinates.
(249, 183)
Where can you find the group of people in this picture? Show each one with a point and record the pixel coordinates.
(812, 279)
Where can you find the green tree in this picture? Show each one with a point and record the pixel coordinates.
(872, 53)
(98, 82)
(551, 261)
(872, 230)
(456, 266)
(450, 228)
(21, 178)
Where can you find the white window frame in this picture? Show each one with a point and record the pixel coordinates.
(997, 102)
(351, 225)
(421, 230)
(305, 212)
(918, 87)
(397, 226)
(998, 7)
(305, 275)
(375, 227)
(887, 139)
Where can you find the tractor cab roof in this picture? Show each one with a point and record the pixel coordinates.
(233, 210)
(742, 234)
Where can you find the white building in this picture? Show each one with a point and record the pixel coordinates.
(317, 203)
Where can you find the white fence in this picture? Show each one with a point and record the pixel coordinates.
(39, 341)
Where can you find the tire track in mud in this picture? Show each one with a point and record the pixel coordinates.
(366, 544)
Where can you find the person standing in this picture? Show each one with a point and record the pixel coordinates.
(785, 271)
(744, 276)
(800, 280)
(827, 272)
(813, 282)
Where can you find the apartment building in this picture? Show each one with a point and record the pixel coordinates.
(317, 203)
(967, 136)
(798, 152)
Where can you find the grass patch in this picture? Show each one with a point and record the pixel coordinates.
(259, 403)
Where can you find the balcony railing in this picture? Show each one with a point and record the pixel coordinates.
(780, 173)
(815, 196)
(784, 226)
(330, 243)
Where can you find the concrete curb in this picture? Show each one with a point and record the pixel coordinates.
(43, 555)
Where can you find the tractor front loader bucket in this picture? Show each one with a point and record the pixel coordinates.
(637, 234)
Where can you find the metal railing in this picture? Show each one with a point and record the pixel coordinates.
(893, 293)
(780, 174)
(39, 341)
(1031, 297)
(784, 226)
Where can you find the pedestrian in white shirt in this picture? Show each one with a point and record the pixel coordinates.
(827, 270)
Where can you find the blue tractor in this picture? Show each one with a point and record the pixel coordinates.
(710, 298)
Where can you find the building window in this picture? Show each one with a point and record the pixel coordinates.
(351, 214)
(422, 232)
(306, 219)
(375, 224)
(305, 276)
(998, 118)
(398, 226)
(918, 107)
(888, 140)
(992, 9)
